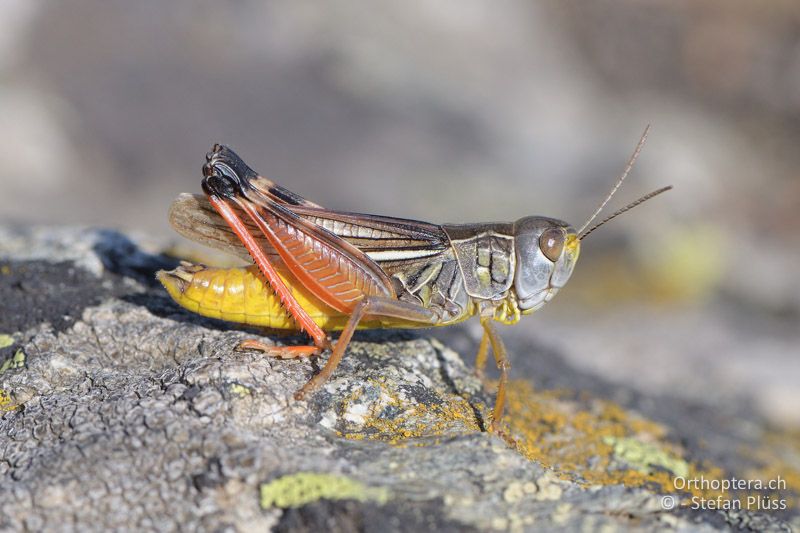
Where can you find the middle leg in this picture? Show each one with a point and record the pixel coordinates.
(503, 365)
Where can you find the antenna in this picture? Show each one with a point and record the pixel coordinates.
(626, 208)
(624, 175)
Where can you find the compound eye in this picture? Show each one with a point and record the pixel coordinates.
(552, 243)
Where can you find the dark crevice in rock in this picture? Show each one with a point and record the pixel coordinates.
(483, 424)
(348, 516)
(123, 257)
(211, 478)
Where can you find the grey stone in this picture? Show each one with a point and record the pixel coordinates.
(135, 414)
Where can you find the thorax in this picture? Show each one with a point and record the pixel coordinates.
(485, 254)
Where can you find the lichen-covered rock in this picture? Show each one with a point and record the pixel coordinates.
(121, 410)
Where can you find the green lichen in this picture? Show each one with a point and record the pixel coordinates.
(239, 390)
(6, 340)
(305, 487)
(644, 456)
(18, 361)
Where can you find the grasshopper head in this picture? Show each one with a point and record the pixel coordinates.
(546, 250)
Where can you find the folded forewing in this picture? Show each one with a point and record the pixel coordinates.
(192, 216)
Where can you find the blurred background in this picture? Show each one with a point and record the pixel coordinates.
(459, 111)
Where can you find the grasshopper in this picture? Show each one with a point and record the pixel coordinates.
(317, 270)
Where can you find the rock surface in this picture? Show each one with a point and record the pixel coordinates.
(121, 410)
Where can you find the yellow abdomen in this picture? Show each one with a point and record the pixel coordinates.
(241, 295)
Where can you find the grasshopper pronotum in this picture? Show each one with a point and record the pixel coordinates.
(316, 270)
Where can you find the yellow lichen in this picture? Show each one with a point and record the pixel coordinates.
(239, 390)
(408, 420)
(306, 487)
(6, 403)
